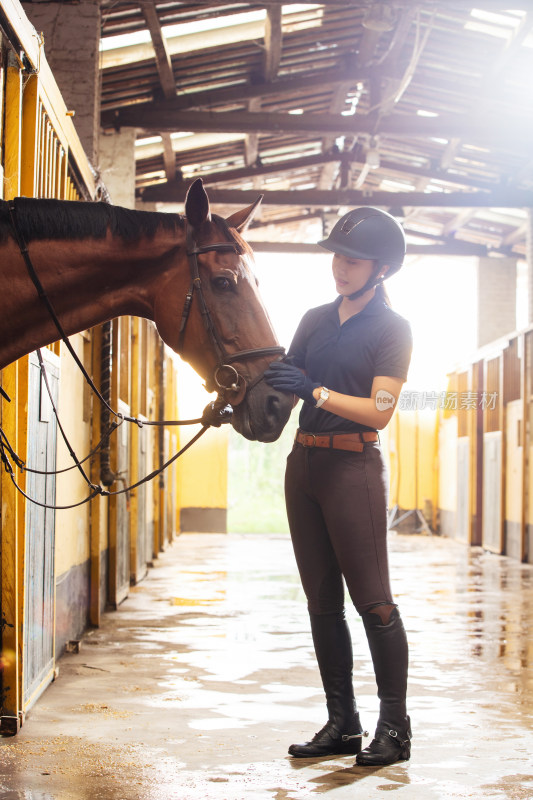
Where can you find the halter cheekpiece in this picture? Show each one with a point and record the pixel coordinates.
(234, 383)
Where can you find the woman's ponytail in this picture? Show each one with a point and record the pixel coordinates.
(383, 294)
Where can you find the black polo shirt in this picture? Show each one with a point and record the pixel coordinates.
(346, 358)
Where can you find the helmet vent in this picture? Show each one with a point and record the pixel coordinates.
(352, 222)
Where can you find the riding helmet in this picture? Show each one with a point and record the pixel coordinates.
(368, 233)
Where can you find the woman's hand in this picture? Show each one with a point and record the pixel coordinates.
(286, 378)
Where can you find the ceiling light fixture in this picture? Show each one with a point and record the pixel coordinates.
(379, 17)
(372, 154)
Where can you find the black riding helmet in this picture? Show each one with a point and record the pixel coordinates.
(371, 234)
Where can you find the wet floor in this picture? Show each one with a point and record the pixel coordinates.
(196, 686)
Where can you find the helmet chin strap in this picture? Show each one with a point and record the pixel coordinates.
(371, 283)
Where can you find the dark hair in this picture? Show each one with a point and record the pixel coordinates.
(383, 294)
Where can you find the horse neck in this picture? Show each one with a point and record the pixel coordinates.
(87, 281)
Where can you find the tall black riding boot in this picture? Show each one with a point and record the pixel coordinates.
(342, 733)
(389, 650)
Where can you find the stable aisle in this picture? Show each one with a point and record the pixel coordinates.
(196, 686)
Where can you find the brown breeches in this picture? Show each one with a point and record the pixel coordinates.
(337, 509)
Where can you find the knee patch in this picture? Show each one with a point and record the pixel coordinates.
(384, 611)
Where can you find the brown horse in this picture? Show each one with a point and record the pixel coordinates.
(96, 262)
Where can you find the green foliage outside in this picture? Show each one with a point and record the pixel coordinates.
(255, 482)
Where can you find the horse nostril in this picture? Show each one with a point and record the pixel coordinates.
(273, 408)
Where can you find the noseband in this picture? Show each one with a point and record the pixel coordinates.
(228, 382)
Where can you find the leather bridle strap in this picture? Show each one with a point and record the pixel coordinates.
(224, 359)
(46, 300)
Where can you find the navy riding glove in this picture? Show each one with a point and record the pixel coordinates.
(286, 378)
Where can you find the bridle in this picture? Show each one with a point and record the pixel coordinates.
(235, 383)
(215, 414)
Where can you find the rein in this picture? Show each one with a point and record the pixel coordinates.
(215, 413)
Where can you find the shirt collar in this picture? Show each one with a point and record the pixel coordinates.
(375, 306)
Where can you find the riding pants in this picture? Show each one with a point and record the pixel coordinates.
(337, 504)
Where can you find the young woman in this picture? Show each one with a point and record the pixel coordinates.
(348, 361)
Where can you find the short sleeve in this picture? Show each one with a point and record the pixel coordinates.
(393, 355)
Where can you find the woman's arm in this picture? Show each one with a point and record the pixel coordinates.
(374, 411)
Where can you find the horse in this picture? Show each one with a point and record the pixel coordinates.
(191, 275)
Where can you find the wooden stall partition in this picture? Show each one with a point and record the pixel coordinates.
(476, 455)
(493, 457)
(448, 460)
(171, 447)
(134, 474)
(119, 504)
(39, 151)
(98, 507)
(38, 661)
(160, 517)
(14, 381)
(513, 444)
(141, 498)
(527, 465)
(464, 460)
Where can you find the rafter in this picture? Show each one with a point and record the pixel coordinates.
(271, 58)
(451, 248)
(240, 92)
(500, 198)
(512, 133)
(348, 158)
(273, 43)
(524, 5)
(162, 56)
(169, 157)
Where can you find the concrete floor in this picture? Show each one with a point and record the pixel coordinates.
(196, 686)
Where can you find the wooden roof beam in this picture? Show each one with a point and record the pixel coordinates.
(513, 133)
(162, 56)
(273, 43)
(287, 165)
(166, 77)
(458, 221)
(465, 5)
(516, 236)
(367, 48)
(316, 198)
(271, 59)
(169, 157)
(453, 248)
(240, 92)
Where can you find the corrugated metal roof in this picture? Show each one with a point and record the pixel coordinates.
(438, 94)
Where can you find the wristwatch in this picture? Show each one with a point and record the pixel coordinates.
(324, 395)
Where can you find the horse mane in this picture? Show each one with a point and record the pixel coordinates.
(73, 219)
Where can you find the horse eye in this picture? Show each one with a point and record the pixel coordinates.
(222, 284)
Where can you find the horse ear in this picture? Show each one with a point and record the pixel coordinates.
(241, 219)
(197, 204)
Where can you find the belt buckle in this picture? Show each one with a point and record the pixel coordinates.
(310, 435)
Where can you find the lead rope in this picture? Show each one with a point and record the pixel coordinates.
(97, 490)
(213, 415)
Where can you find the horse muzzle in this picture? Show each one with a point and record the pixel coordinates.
(263, 413)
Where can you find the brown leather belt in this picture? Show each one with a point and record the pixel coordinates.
(337, 441)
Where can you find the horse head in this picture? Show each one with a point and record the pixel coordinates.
(224, 331)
